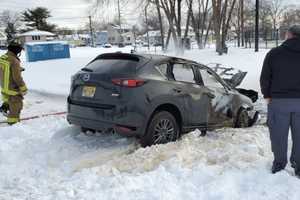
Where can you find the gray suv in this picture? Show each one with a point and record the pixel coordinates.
(156, 98)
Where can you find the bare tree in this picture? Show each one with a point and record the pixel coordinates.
(222, 12)
(172, 10)
(291, 17)
(277, 8)
(201, 18)
(162, 32)
(11, 22)
(265, 18)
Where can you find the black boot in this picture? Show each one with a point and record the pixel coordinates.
(277, 167)
(297, 172)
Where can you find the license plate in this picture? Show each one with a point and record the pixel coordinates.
(88, 91)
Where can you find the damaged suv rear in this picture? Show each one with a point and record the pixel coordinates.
(156, 98)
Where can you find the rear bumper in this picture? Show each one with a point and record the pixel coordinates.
(118, 119)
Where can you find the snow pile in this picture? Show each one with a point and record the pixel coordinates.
(48, 159)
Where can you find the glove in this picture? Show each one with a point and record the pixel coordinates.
(23, 90)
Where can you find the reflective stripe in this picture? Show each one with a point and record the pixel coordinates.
(12, 120)
(5, 98)
(6, 74)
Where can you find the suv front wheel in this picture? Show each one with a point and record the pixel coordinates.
(163, 128)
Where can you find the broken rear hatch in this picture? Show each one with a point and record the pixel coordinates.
(96, 83)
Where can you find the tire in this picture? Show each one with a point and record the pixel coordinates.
(243, 119)
(163, 128)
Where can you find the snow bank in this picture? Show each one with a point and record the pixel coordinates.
(48, 159)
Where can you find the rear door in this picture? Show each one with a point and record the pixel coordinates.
(191, 93)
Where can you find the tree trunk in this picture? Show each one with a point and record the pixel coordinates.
(160, 25)
(168, 38)
(242, 23)
(207, 33)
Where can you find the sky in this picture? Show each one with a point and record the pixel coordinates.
(66, 13)
(74, 13)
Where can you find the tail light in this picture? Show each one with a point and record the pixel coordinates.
(128, 82)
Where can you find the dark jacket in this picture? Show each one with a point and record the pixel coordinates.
(280, 76)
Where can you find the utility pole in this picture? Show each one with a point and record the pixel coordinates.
(91, 31)
(256, 25)
(147, 29)
(120, 29)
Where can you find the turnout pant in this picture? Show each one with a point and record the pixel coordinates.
(15, 107)
(284, 114)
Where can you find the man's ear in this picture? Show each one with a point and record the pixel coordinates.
(289, 35)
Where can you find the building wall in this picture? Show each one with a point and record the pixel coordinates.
(101, 38)
(26, 39)
(128, 38)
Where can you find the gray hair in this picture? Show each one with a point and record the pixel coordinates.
(295, 30)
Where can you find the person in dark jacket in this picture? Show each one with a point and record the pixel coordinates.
(280, 86)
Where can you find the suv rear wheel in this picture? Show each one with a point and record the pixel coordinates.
(163, 128)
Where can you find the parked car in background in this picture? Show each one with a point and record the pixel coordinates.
(107, 45)
(155, 98)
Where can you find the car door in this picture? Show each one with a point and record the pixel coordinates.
(193, 96)
(221, 113)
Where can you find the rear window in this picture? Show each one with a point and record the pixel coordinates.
(113, 66)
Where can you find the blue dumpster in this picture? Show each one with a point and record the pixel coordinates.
(46, 51)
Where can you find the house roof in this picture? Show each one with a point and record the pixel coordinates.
(37, 33)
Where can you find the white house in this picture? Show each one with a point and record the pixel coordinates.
(154, 37)
(117, 35)
(36, 36)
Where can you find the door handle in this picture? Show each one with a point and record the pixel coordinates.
(177, 90)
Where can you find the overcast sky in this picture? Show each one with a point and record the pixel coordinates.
(73, 13)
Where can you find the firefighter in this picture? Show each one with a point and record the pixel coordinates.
(13, 87)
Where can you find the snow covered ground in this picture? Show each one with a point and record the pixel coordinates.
(47, 159)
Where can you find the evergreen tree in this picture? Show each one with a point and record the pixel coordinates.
(37, 19)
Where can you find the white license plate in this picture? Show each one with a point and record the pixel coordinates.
(88, 91)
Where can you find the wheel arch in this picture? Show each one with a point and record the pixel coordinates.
(171, 108)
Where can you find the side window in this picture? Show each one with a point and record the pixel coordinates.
(209, 79)
(184, 73)
(163, 69)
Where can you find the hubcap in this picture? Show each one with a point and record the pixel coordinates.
(164, 132)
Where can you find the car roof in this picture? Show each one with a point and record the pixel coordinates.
(142, 56)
